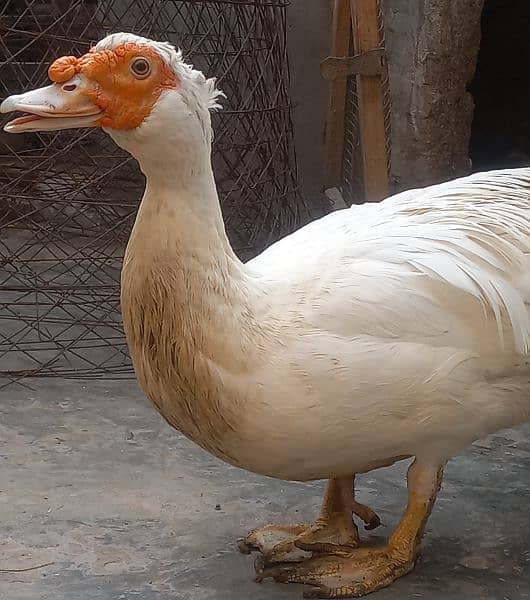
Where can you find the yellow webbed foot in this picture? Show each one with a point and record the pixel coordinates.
(336, 569)
(334, 531)
(276, 542)
(350, 575)
(294, 543)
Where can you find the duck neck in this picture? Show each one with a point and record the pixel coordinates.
(181, 279)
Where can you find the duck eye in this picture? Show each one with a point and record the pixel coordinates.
(140, 68)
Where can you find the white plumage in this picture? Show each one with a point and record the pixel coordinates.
(376, 333)
(410, 314)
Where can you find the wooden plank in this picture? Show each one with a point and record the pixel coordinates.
(366, 37)
(369, 63)
(334, 134)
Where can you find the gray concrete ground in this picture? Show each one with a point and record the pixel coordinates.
(94, 481)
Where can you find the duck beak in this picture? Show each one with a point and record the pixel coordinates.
(54, 107)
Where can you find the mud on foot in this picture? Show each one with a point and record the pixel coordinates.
(351, 574)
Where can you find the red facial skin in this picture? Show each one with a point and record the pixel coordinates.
(125, 99)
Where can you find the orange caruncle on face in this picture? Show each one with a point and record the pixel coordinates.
(123, 85)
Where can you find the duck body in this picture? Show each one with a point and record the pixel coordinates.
(375, 333)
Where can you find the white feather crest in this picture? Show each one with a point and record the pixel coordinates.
(173, 57)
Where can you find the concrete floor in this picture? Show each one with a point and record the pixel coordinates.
(94, 481)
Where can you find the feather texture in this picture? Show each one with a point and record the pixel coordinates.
(471, 235)
(375, 333)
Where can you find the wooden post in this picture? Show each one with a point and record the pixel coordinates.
(335, 123)
(366, 37)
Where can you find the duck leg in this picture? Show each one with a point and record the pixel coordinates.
(352, 573)
(334, 529)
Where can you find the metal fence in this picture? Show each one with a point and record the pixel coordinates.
(352, 184)
(67, 200)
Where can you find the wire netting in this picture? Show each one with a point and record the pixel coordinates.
(352, 164)
(68, 199)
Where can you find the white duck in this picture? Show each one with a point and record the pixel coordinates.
(376, 333)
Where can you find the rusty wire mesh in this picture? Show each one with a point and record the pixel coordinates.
(67, 200)
(352, 164)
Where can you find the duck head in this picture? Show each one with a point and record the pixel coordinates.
(139, 91)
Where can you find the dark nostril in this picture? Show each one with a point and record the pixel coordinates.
(69, 87)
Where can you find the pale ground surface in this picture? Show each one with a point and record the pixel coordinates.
(92, 479)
